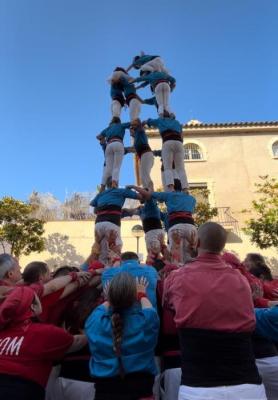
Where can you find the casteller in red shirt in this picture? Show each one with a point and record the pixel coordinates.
(27, 349)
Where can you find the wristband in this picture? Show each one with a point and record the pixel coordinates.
(74, 276)
(141, 295)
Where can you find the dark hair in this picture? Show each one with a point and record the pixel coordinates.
(33, 271)
(64, 270)
(82, 307)
(256, 258)
(212, 237)
(115, 120)
(129, 255)
(261, 269)
(120, 69)
(121, 295)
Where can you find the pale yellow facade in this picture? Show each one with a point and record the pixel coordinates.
(233, 158)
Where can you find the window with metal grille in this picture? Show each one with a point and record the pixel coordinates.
(192, 152)
(275, 149)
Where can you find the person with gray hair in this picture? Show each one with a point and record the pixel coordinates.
(214, 316)
(9, 270)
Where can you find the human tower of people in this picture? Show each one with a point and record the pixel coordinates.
(192, 323)
(108, 204)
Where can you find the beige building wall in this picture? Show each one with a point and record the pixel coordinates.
(233, 159)
(235, 155)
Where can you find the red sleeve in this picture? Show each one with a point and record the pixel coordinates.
(56, 341)
(38, 288)
(261, 302)
(48, 301)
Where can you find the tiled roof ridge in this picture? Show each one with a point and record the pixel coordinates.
(229, 124)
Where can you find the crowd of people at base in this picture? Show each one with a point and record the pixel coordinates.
(207, 329)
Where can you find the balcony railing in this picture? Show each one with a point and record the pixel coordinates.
(225, 218)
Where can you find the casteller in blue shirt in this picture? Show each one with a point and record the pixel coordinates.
(115, 130)
(140, 333)
(267, 323)
(137, 270)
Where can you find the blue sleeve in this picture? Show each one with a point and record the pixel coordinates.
(140, 79)
(160, 196)
(84, 266)
(130, 194)
(126, 125)
(94, 201)
(152, 122)
(104, 132)
(267, 322)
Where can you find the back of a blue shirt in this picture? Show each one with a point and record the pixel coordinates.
(137, 271)
(176, 201)
(165, 124)
(115, 197)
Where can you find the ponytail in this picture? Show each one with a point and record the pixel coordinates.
(117, 331)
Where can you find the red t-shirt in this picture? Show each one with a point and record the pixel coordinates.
(209, 294)
(28, 351)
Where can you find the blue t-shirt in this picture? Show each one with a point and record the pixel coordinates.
(113, 197)
(176, 201)
(165, 124)
(154, 77)
(116, 90)
(151, 101)
(140, 139)
(149, 210)
(115, 130)
(137, 271)
(140, 333)
(143, 60)
(128, 88)
(267, 323)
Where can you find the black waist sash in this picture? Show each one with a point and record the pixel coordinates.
(144, 148)
(180, 217)
(131, 386)
(111, 213)
(215, 358)
(263, 348)
(171, 135)
(151, 223)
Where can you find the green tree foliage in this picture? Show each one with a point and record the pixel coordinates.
(263, 227)
(18, 229)
(203, 211)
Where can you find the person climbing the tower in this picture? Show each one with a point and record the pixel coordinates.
(172, 150)
(143, 152)
(146, 62)
(114, 151)
(161, 85)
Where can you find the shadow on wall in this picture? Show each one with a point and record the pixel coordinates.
(62, 252)
(233, 238)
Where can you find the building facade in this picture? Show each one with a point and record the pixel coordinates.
(226, 159)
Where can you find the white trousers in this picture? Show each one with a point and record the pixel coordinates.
(114, 154)
(268, 369)
(156, 64)
(170, 381)
(162, 95)
(103, 231)
(134, 109)
(146, 164)
(234, 392)
(116, 108)
(175, 175)
(182, 238)
(153, 240)
(173, 150)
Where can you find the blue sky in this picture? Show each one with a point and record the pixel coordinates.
(57, 54)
